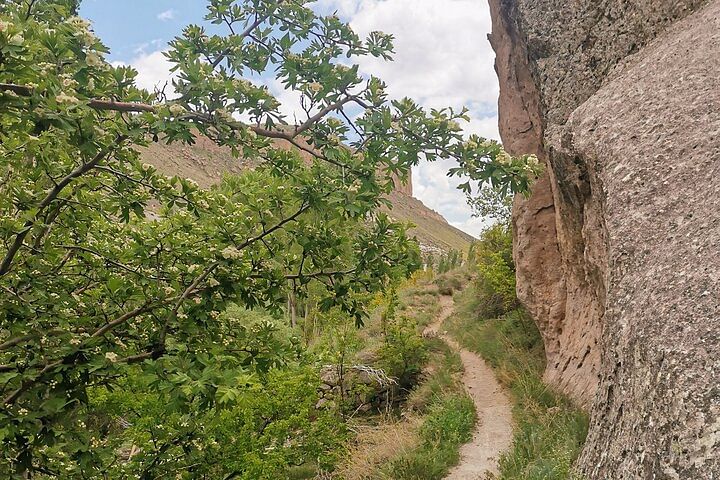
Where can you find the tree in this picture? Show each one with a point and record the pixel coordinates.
(430, 261)
(454, 260)
(94, 291)
(496, 270)
(442, 264)
(491, 204)
(471, 252)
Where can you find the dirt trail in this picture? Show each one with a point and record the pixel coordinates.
(493, 433)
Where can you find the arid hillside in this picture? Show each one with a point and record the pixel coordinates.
(206, 163)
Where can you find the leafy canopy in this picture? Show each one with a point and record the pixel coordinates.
(111, 271)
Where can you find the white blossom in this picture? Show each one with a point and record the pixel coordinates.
(504, 158)
(230, 253)
(79, 23)
(65, 98)
(93, 60)
(177, 109)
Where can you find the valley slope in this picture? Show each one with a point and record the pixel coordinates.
(206, 163)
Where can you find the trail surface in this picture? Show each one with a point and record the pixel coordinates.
(493, 433)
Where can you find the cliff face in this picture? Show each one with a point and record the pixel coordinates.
(617, 248)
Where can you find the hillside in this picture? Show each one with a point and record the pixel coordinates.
(206, 163)
(432, 230)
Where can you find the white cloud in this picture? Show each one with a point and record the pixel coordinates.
(442, 54)
(290, 101)
(485, 126)
(166, 15)
(474, 226)
(153, 71)
(442, 58)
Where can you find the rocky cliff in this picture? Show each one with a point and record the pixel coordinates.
(617, 248)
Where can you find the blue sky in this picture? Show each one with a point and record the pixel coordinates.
(130, 27)
(442, 58)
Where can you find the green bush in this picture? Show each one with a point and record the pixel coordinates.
(495, 270)
(259, 431)
(403, 353)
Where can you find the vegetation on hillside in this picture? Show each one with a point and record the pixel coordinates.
(550, 430)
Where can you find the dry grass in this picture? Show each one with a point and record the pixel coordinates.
(375, 445)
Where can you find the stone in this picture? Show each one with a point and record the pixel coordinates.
(619, 242)
(329, 375)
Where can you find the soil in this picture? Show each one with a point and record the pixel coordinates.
(493, 432)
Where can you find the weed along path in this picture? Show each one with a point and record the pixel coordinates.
(493, 432)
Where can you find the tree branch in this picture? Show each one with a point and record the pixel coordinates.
(263, 132)
(320, 114)
(108, 260)
(244, 34)
(49, 198)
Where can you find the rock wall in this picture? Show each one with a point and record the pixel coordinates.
(548, 251)
(617, 248)
(405, 187)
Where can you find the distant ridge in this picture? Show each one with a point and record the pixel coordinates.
(206, 163)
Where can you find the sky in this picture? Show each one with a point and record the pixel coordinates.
(442, 58)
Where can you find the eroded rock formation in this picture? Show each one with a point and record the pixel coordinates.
(617, 248)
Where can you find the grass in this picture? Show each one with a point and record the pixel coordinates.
(438, 416)
(447, 423)
(450, 282)
(447, 426)
(550, 430)
(441, 377)
(376, 445)
(419, 301)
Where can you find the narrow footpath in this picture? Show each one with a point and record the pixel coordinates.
(493, 432)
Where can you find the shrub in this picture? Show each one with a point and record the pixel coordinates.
(404, 353)
(495, 270)
(448, 283)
